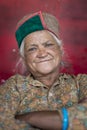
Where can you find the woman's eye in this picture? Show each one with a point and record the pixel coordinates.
(32, 49)
(49, 44)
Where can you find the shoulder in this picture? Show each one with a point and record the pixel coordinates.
(68, 80)
(14, 80)
(67, 76)
(81, 76)
(73, 76)
(20, 80)
(80, 79)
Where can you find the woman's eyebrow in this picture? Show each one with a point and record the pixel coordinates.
(45, 42)
(32, 45)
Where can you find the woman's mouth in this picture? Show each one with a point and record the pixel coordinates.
(45, 60)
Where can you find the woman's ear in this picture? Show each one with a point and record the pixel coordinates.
(21, 66)
(62, 50)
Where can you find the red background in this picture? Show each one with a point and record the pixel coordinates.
(72, 15)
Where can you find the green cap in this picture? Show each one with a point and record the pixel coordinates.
(36, 22)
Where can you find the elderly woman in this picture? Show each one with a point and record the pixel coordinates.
(45, 99)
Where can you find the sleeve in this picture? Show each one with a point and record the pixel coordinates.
(9, 101)
(78, 113)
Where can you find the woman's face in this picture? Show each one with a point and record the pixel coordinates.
(42, 53)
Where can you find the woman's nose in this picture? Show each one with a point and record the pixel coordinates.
(42, 52)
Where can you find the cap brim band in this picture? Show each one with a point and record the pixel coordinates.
(31, 25)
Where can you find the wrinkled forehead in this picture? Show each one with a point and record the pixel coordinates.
(40, 38)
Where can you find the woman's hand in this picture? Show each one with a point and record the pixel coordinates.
(47, 120)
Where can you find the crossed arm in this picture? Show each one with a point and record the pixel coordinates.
(47, 120)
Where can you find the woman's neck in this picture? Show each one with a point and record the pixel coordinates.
(48, 80)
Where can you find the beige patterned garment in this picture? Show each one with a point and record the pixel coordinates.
(20, 94)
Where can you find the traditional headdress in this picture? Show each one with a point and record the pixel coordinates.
(36, 22)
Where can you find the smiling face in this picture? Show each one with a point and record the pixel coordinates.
(42, 53)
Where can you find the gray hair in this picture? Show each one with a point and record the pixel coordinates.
(59, 42)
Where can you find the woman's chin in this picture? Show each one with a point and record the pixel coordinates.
(45, 70)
